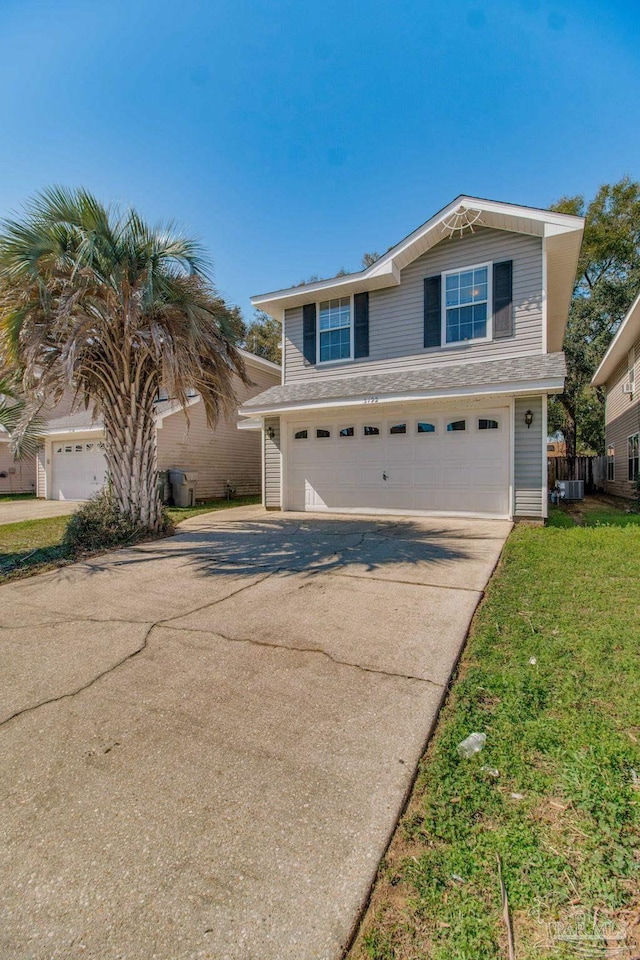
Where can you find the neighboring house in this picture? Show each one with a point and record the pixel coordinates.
(619, 374)
(556, 448)
(16, 476)
(72, 466)
(420, 384)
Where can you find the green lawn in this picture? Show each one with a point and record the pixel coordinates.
(34, 545)
(551, 675)
(178, 514)
(7, 497)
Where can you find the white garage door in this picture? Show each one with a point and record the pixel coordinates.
(445, 462)
(79, 470)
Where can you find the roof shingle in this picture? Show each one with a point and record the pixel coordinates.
(499, 373)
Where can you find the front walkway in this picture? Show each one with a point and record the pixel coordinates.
(207, 740)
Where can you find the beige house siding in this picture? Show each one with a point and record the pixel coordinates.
(20, 475)
(396, 315)
(272, 464)
(530, 495)
(41, 472)
(622, 416)
(223, 458)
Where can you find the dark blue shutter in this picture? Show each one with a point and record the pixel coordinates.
(309, 332)
(361, 324)
(432, 311)
(503, 300)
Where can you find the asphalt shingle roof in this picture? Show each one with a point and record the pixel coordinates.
(498, 373)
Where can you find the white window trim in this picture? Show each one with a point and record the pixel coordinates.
(443, 306)
(348, 359)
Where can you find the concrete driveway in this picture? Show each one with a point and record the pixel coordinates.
(207, 740)
(13, 511)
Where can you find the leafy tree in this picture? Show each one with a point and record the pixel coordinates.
(94, 300)
(607, 281)
(263, 337)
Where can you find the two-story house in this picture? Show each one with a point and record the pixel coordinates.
(619, 374)
(420, 384)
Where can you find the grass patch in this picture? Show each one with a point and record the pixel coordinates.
(564, 733)
(8, 497)
(33, 546)
(208, 506)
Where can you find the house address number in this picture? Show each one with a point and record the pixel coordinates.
(370, 399)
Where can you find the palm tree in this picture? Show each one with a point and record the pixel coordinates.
(24, 432)
(94, 300)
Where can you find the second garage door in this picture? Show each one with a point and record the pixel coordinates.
(79, 470)
(446, 462)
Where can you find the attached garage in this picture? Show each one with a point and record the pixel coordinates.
(411, 459)
(79, 469)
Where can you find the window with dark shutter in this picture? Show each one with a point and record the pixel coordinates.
(432, 311)
(309, 333)
(503, 300)
(361, 324)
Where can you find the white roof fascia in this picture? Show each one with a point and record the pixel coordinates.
(385, 272)
(252, 423)
(259, 361)
(71, 431)
(524, 387)
(626, 335)
(176, 408)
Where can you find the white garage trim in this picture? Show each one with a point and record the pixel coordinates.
(70, 475)
(404, 480)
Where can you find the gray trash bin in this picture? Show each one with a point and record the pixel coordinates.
(183, 483)
(164, 486)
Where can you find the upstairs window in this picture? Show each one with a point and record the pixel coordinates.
(466, 304)
(334, 329)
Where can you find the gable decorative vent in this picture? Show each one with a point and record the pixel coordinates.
(460, 220)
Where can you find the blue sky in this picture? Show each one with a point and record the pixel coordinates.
(293, 136)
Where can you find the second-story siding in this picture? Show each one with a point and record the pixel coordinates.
(396, 314)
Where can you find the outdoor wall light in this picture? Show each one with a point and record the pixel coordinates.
(271, 433)
(528, 418)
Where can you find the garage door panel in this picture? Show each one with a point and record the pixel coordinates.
(79, 470)
(465, 471)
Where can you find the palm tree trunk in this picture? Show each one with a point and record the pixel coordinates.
(131, 453)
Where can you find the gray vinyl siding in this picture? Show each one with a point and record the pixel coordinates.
(622, 417)
(396, 314)
(272, 465)
(528, 462)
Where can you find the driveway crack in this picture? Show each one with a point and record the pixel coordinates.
(85, 686)
(295, 649)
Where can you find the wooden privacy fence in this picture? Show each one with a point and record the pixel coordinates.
(589, 469)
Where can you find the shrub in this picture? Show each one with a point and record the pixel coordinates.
(99, 525)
